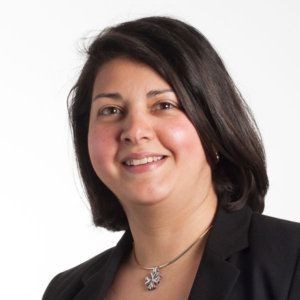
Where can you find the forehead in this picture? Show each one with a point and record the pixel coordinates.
(127, 74)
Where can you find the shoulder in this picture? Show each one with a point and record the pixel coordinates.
(92, 273)
(70, 281)
(274, 251)
(273, 239)
(270, 263)
(270, 231)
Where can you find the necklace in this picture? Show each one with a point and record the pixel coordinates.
(153, 279)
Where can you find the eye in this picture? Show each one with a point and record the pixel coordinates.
(164, 105)
(109, 110)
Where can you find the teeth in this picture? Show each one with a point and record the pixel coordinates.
(136, 162)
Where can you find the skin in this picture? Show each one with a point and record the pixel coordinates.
(170, 203)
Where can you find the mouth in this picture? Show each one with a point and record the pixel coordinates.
(143, 161)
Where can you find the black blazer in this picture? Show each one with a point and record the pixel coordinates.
(247, 256)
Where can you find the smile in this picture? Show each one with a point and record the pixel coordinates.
(146, 160)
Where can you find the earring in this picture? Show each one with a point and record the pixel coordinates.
(217, 156)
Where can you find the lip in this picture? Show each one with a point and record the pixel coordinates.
(146, 167)
(140, 155)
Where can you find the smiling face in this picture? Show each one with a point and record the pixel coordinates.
(141, 144)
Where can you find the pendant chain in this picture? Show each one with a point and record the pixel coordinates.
(176, 258)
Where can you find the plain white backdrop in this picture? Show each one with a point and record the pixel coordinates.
(45, 221)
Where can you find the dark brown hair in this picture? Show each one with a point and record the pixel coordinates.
(190, 65)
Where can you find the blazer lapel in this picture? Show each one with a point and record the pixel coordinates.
(96, 283)
(216, 277)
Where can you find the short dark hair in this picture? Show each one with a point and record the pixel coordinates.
(190, 65)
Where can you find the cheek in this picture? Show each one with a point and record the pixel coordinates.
(100, 147)
(185, 140)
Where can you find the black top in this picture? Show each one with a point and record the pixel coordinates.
(247, 256)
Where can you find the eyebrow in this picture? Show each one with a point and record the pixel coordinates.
(117, 96)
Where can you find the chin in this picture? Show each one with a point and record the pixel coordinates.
(145, 198)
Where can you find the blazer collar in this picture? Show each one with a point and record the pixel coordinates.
(230, 231)
(215, 277)
(97, 282)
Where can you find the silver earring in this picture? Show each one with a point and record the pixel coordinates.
(217, 156)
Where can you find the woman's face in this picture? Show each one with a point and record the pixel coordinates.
(141, 144)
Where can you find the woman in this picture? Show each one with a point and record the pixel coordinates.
(169, 151)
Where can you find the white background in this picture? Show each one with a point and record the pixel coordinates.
(45, 221)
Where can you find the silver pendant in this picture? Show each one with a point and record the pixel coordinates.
(153, 279)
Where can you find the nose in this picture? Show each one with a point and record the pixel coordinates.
(137, 129)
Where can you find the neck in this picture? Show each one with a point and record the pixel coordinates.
(162, 232)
